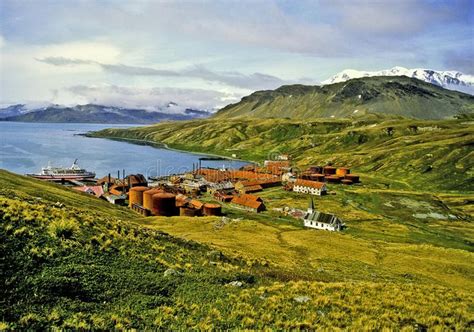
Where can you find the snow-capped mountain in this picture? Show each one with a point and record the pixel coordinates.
(452, 80)
(92, 113)
(12, 110)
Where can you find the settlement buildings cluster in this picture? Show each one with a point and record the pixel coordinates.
(182, 194)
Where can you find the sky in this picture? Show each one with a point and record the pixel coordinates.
(207, 54)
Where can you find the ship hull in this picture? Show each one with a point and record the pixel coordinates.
(62, 177)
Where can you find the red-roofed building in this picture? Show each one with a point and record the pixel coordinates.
(97, 191)
(223, 197)
(248, 202)
(196, 204)
(245, 187)
(310, 187)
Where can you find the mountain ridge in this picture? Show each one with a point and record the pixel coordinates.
(93, 113)
(449, 79)
(389, 95)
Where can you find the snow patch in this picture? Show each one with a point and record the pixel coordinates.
(449, 79)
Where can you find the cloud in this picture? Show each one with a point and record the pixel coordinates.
(239, 46)
(62, 61)
(252, 81)
(150, 98)
(393, 18)
(81, 50)
(137, 71)
(257, 24)
(462, 61)
(236, 79)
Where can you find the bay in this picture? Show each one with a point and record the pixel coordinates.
(26, 147)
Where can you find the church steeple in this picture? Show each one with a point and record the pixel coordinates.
(311, 205)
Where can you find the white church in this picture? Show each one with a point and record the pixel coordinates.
(320, 220)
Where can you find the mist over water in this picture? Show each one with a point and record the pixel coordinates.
(26, 147)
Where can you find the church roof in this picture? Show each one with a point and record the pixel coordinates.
(323, 217)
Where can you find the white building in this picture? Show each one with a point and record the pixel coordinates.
(288, 177)
(320, 220)
(310, 187)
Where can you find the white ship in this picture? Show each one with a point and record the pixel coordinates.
(63, 173)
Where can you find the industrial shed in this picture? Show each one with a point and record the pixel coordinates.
(249, 203)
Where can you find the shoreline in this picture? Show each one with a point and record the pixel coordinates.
(161, 145)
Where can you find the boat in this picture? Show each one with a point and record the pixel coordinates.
(63, 173)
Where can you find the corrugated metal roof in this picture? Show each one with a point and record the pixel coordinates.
(251, 201)
(309, 183)
(197, 204)
(254, 188)
(97, 191)
(324, 218)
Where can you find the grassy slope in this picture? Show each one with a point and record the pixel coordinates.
(437, 154)
(90, 264)
(387, 95)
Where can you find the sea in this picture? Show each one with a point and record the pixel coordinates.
(27, 147)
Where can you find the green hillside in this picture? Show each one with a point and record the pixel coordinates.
(404, 153)
(72, 261)
(395, 96)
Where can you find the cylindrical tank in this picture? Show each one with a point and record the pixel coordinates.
(147, 197)
(210, 209)
(333, 179)
(186, 211)
(315, 169)
(306, 176)
(354, 178)
(347, 182)
(329, 170)
(135, 195)
(342, 171)
(164, 204)
(317, 177)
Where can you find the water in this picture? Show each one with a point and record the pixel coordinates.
(26, 147)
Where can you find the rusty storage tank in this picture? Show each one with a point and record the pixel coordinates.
(333, 179)
(186, 211)
(343, 171)
(147, 197)
(329, 170)
(346, 182)
(306, 176)
(354, 178)
(210, 209)
(135, 195)
(164, 204)
(317, 177)
(315, 169)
